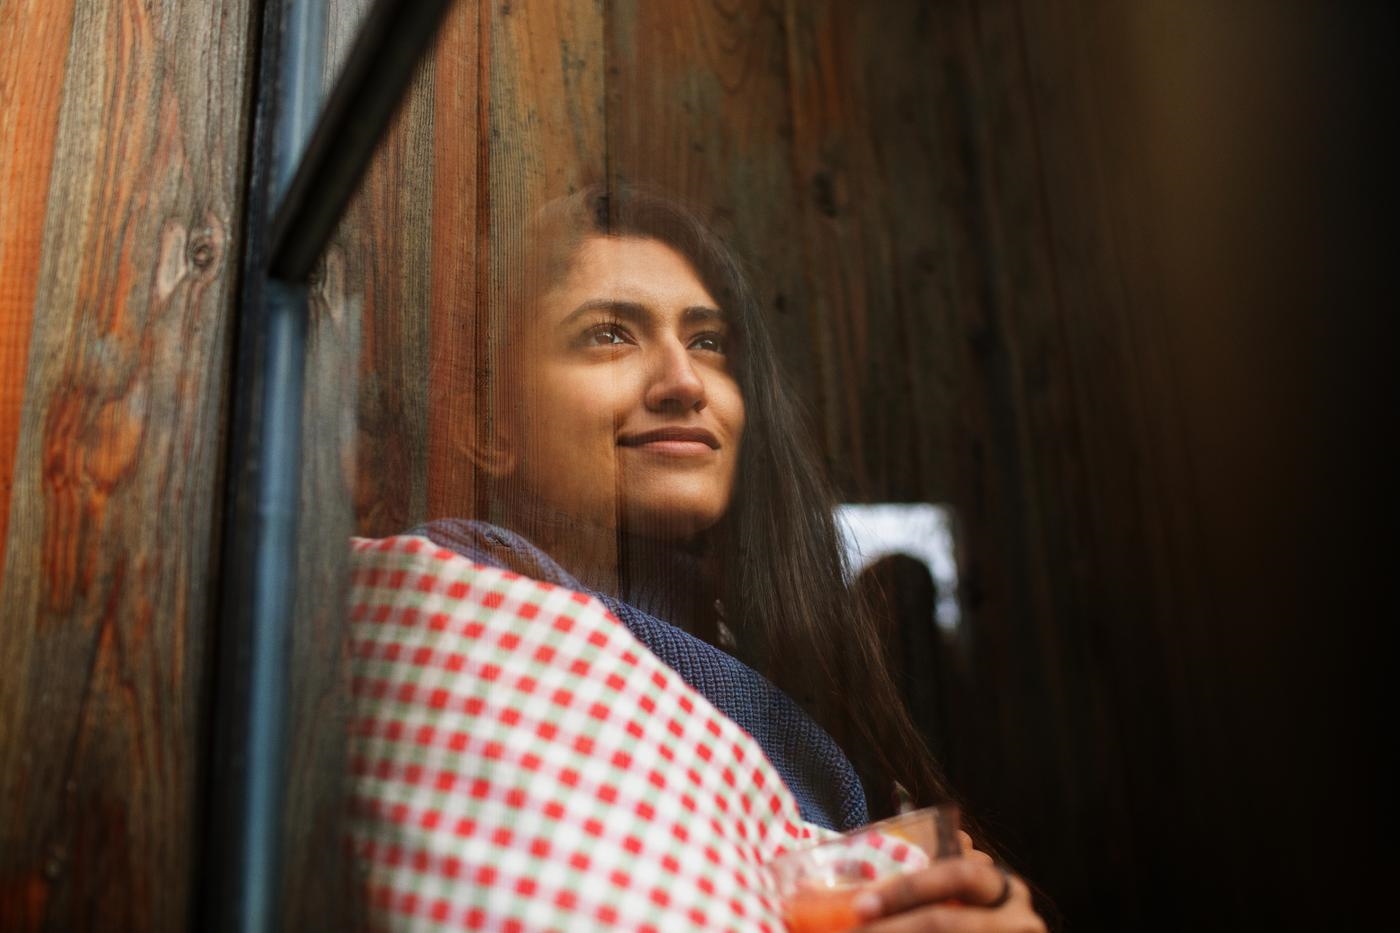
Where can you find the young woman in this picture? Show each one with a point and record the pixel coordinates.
(641, 446)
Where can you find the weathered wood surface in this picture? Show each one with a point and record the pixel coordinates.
(35, 53)
(107, 584)
(698, 108)
(540, 101)
(461, 225)
(320, 887)
(544, 107)
(1153, 526)
(388, 264)
(409, 243)
(1062, 466)
(888, 240)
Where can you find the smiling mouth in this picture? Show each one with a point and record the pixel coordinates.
(677, 439)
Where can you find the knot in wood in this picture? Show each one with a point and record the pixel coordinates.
(202, 252)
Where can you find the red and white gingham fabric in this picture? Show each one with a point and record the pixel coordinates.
(522, 762)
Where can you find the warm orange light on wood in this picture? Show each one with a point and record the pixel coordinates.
(31, 87)
(457, 263)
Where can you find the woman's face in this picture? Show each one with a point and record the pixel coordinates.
(628, 411)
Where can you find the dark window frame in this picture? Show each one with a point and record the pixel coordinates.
(305, 162)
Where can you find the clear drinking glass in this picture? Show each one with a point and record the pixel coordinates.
(818, 884)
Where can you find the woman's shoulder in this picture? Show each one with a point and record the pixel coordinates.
(495, 546)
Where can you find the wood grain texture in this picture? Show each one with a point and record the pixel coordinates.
(107, 580)
(31, 65)
(409, 243)
(321, 890)
(1033, 542)
(1103, 439)
(1123, 422)
(888, 253)
(386, 241)
(1256, 359)
(544, 100)
(698, 108)
(456, 367)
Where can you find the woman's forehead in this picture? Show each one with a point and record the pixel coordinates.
(633, 269)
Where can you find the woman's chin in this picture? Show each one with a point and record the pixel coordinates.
(670, 521)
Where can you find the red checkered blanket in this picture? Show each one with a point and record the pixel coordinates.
(522, 762)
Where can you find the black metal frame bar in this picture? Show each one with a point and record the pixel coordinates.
(300, 180)
(377, 72)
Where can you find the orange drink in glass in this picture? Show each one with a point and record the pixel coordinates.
(819, 883)
(821, 910)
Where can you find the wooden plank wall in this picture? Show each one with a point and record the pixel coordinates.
(121, 171)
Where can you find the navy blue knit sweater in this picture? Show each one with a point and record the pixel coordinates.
(816, 771)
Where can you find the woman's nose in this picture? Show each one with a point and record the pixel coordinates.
(674, 382)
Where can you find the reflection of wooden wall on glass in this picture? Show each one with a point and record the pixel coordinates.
(767, 121)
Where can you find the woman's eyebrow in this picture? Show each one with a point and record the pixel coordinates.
(703, 314)
(634, 312)
(627, 310)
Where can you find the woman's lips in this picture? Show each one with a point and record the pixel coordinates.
(675, 442)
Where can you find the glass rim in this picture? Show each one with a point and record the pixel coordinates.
(941, 834)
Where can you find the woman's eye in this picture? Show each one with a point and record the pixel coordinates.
(711, 342)
(605, 335)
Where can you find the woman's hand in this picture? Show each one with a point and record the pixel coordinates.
(969, 894)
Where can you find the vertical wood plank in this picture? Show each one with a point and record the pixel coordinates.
(455, 365)
(1017, 480)
(698, 108)
(107, 581)
(320, 888)
(888, 251)
(545, 107)
(844, 227)
(1086, 328)
(385, 238)
(33, 59)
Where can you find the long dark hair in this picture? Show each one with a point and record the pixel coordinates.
(780, 569)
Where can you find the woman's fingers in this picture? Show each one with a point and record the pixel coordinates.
(969, 850)
(969, 881)
(951, 896)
